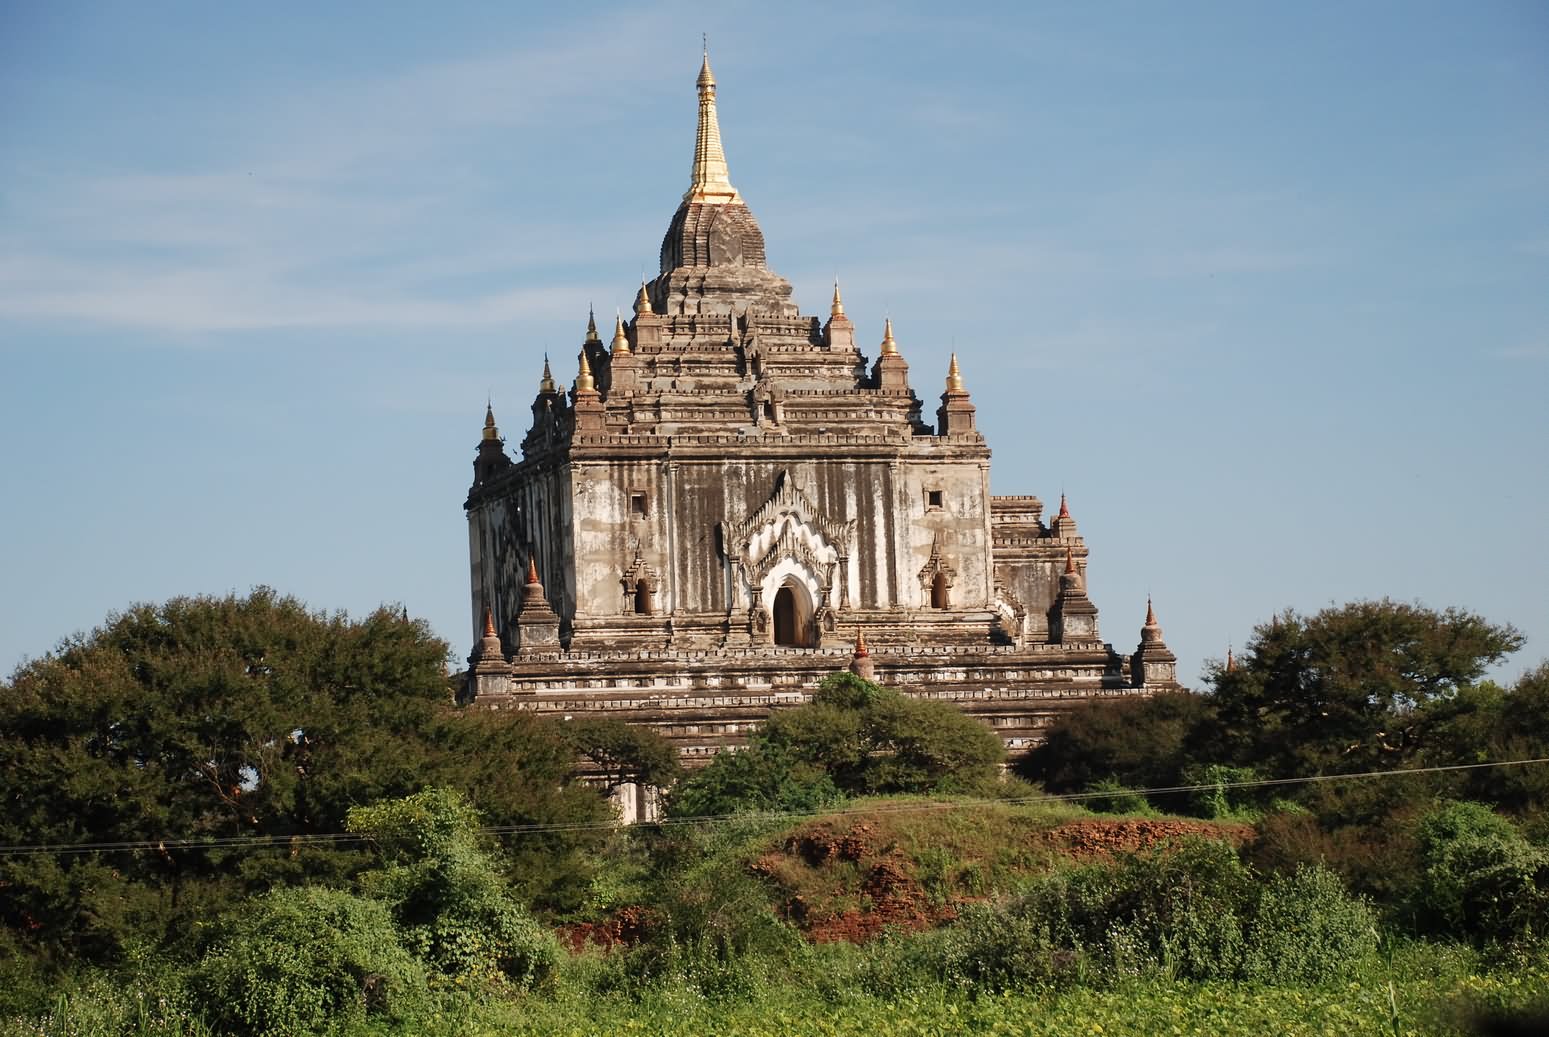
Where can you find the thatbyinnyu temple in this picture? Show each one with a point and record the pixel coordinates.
(733, 501)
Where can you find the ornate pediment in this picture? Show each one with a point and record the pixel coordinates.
(788, 501)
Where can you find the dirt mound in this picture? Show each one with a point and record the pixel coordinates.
(623, 928)
(853, 881)
(1099, 838)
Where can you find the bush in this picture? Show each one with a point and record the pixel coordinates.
(1481, 878)
(761, 777)
(447, 894)
(1195, 912)
(1306, 929)
(308, 961)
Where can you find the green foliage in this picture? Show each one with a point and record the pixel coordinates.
(1481, 879)
(854, 738)
(761, 777)
(1111, 796)
(1196, 913)
(1131, 742)
(622, 752)
(455, 910)
(1217, 798)
(1345, 689)
(307, 961)
(231, 717)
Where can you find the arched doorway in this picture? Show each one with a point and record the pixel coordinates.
(792, 616)
(938, 591)
(645, 601)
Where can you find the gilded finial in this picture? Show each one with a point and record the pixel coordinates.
(547, 384)
(642, 299)
(954, 376)
(489, 622)
(491, 433)
(620, 339)
(584, 381)
(710, 182)
(889, 347)
(532, 569)
(837, 309)
(591, 325)
(860, 644)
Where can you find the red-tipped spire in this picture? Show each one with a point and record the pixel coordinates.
(1070, 561)
(532, 570)
(1231, 664)
(860, 645)
(1064, 508)
(489, 622)
(1150, 613)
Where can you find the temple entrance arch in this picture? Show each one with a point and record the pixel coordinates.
(792, 615)
(938, 592)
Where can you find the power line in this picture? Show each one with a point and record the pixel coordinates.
(259, 842)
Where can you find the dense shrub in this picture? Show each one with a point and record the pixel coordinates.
(308, 961)
(1481, 879)
(1196, 912)
(447, 894)
(762, 777)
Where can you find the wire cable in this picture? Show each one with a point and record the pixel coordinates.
(259, 842)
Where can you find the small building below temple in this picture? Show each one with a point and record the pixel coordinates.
(733, 500)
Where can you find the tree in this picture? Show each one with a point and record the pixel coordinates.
(621, 753)
(1137, 742)
(242, 719)
(1345, 689)
(856, 737)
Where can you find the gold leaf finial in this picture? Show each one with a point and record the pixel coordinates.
(642, 299)
(837, 309)
(620, 339)
(710, 181)
(547, 384)
(584, 381)
(491, 433)
(889, 347)
(954, 376)
(591, 325)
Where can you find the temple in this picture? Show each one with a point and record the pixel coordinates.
(733, 500)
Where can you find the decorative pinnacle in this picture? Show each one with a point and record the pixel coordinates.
(642, 300)
(532, 569)
(889, 347)
(1070, 561)
(837, 309)
(1064, 508)
(954, 376)
(1231, 664)
(547, 385)
(620, 339)
(489, 622)
(860, 644)
(710, 182)
(584, 381)
(591, 325)
(491, 433)
(1150, 613)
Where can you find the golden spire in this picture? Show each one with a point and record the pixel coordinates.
(889, 347)
(491, 433)
(532, 569)
(591, 325)
(547, 385)
(489, 622)
(954, 376)
(642, 300)
(860, 643)
(584, 381)
(710, 182)
(837, 309)
(620, 339)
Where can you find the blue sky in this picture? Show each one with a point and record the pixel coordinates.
(1263, 287)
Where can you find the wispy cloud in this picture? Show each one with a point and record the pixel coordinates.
(332, 208)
